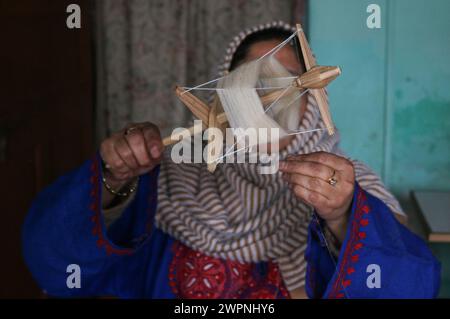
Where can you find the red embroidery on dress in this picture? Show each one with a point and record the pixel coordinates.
(97, 230)
(354, 244)
(196, 275)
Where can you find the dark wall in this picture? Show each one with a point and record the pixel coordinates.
(46, 115)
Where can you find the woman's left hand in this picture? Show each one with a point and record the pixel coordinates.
(310, 178)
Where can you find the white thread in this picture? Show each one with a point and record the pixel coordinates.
(203, 84)
(274, 50)
(220, 89)
(247, 147)
(237, 92)
(271, 67)
(277, 99)
(279, 46)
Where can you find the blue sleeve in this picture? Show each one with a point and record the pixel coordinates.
(64, 229)
(379, 258)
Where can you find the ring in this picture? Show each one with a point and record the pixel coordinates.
(131, 129)
(332, 181)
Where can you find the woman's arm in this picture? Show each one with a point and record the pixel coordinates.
(66, 228)
(126, 155)
(378, 258)
(324, 181)
(368, 235)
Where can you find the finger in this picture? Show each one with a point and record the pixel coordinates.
(153, 141)
(317, 200)
(139, 125)
(311, 183)
(329, 159)
(312, 169)
(112, 158)
(126, 154)
(136, 142)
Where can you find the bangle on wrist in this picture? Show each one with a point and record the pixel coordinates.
(126, 193)
(131, 189)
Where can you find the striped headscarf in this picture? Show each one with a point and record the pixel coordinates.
(236, 213)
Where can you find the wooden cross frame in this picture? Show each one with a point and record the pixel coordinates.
(316, 78)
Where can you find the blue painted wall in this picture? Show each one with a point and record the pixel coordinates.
(392, 101)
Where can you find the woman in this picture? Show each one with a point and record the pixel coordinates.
(138, 225)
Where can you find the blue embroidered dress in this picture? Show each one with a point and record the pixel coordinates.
(379, 258)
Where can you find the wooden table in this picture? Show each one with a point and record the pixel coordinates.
(434, 209)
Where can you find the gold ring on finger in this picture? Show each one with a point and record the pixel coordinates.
(332, 181)
(130, 129)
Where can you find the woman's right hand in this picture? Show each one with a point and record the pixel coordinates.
(131, 152)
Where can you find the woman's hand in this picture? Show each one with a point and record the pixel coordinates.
(310, 177)
(131, 152)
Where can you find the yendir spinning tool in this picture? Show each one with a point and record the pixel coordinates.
(237, 103)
